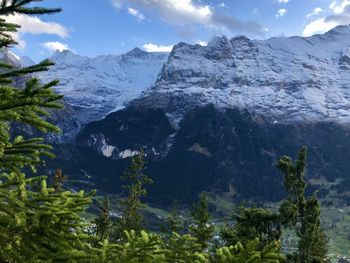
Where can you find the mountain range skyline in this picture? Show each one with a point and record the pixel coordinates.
(116, 26)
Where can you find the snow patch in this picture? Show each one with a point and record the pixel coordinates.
(127, 153)
(197, 148)
(107, 150)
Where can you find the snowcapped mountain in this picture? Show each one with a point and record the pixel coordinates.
(93, 87)
(237, 106)
(9, 57)
(26, 61)
(283, 78)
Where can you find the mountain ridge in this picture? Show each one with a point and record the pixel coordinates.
(219, 116)
(94, 87)
(284, 79)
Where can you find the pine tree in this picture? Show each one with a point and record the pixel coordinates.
(175, 223)
(201, 228)
(27, 105)
(140, 247)
(58, 180)
(40, 225)
(313, 244)
(37, 224)
(184, 249)
(251, 224)
(250, 252)
(131, 217)
(302, 213)
(103, 221)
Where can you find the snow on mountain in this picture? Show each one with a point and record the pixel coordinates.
(97, 86)
(26, 61)
(284, 78)
(8, 56)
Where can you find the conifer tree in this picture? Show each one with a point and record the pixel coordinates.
(58, 180)
(302, 213)
(37, 224)
(175, 223)
(103, 221)
(201, 228)
(184, 249)
(251, 224)
(250, 252)
(131, 217)
(140, 247)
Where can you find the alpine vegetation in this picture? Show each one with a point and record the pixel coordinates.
(46, 219)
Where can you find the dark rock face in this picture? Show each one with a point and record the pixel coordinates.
(222, 151)
(129, 129)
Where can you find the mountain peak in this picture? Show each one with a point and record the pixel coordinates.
(96, 86)
(339, 30)
(274, 78)
(137, 52)
(26, 61)
(62, 54)
(219, 41)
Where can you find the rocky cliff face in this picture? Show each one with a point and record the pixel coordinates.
(283, 79)
(219, 116)
(93, 87)
(223, 152)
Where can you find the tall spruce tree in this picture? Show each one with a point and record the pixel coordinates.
(175, 222)
(131, 217)
(252, 224)
(302, 213)
(103, 221)
(37, 224)
(201, 228)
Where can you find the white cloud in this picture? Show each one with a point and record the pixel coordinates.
(118, 4)
(179, 11)
(34, 25)
(187, 14)
(333, 5)
(202, 43)
(315, 12)
(340, 16)
(53, 46)
(223, 5)
(156, 48)
(136, 13)
(21, 43)
(338, 9)
(283, 1)
(318, 26)
(281, 12)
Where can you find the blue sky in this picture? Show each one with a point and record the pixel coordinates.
(96, 27)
